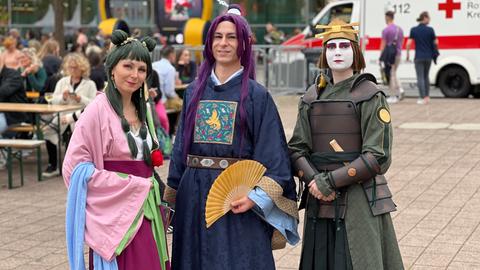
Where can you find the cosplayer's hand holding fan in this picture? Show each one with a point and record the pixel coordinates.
(232, 184)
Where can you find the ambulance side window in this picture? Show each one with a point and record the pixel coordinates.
(343, 12)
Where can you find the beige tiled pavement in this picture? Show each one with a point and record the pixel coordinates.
(435, 179)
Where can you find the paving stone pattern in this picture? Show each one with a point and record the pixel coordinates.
(434, 177)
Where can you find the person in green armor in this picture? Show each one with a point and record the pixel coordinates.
(340, 149)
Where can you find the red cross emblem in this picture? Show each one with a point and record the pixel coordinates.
(449, 7)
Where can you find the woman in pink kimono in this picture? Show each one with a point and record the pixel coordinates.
(113, 200)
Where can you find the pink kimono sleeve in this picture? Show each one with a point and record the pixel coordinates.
(112, 202)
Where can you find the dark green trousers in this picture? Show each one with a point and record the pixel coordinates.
(325, 244)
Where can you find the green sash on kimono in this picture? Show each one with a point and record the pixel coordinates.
(151, 210)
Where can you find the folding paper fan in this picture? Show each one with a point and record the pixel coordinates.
(232, 184)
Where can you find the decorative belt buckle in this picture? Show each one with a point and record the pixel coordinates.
(223, 163)
(194, 161)
(206, 162)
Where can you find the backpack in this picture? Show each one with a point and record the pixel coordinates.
(390, 51)
(388, 56)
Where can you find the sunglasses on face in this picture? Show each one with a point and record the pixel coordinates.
(341, 45)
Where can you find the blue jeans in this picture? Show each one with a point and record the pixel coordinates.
(3, 123)
(422, 68)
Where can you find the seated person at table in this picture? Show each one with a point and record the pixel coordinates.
(49, 54)
(167, 75)
(97, 72)
(12, 91)
(32, 70)
(186, 68)
(11, 53)
(153, 83)
(74, 89)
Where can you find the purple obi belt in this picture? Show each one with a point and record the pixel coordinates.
(135, 167)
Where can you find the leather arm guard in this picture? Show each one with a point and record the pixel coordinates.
(364, 168)
(303, 168)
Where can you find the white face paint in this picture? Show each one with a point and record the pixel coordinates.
(339, 54)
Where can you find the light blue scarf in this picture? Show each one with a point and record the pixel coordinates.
(75, 220)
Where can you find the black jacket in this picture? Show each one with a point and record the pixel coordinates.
(12, 90)
(154, 82)
(187, 73)
(98, 76)
(51, 64)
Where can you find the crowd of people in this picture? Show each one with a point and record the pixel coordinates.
(35, 70)
(43, 72)
(225, 116)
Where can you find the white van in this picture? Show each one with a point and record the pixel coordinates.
(456, 24)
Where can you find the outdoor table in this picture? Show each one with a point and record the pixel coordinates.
(180, 89)
(37, 110)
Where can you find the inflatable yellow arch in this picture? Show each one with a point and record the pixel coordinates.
(107, 23)
(103, 11)
(195, 29)
(107, 26)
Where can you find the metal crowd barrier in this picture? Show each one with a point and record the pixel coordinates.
(281, 69)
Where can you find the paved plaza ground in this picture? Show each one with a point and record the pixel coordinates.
(434, 177)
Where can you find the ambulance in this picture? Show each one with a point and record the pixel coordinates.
(456, 24)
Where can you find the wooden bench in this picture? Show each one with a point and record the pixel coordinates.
(9, 144)
(22, 128)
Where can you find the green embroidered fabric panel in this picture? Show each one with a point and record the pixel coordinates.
(215, 122)
(151, 210)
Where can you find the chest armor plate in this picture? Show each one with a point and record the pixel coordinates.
(335, 119)
(340, 120)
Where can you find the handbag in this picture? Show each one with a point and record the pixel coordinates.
(388, 56)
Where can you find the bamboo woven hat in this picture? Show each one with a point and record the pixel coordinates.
(338, 28)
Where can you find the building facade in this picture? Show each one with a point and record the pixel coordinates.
(287, 15)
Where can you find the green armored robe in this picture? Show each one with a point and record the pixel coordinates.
(361, 240)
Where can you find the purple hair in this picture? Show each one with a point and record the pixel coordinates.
(244, 52)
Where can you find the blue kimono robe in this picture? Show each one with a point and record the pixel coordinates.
(235, 241)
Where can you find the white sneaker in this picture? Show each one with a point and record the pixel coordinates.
(420, 101)
(50, 172)
(3, 163)
(26, 153)
(3, 160)
(402, 93)
(392, 99)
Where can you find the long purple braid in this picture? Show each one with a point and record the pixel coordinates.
(244, 52)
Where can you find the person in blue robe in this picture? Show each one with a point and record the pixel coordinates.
(227, 116)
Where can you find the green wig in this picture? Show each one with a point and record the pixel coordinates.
(130, 48)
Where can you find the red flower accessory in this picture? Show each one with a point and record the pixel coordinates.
(157, 158)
